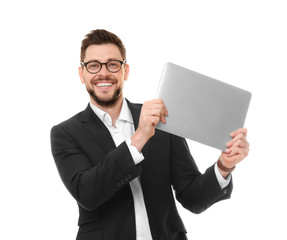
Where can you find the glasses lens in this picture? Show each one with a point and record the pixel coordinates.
(114, 66)
(93, 67)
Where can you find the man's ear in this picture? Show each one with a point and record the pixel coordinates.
(81, 74)
(127, 71)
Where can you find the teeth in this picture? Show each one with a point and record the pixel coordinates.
(104, 84)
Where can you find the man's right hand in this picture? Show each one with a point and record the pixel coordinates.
(152, 112)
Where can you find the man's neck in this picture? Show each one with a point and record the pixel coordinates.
(113, 111)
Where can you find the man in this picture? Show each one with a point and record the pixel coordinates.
(119, 168)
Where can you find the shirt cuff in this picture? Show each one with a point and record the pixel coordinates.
(136, 155)
(221, 180)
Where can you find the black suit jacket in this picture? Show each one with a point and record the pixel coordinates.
(97, 174)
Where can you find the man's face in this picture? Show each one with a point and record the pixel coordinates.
(105, 88)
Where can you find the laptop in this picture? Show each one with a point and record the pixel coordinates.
(201, 108)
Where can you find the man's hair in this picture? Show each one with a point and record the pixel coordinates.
(101, 36)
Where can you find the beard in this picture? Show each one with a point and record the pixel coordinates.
(110, 102)
(106, 102)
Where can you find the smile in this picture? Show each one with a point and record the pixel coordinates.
(104, 84)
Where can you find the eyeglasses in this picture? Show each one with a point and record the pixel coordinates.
(113, 66)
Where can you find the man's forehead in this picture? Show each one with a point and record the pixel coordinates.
(103, 52)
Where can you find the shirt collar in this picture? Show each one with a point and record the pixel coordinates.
(125, 114)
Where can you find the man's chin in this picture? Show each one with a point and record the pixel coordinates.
(106, 101)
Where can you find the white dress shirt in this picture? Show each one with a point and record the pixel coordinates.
(122, 132)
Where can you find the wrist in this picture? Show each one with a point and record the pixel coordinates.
(138, 140)
(224, 171)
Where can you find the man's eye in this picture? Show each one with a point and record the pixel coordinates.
(93, 65)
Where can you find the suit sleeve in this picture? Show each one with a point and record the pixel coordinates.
(91, 185)
(195, 191)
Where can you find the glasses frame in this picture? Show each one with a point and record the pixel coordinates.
(106, 64)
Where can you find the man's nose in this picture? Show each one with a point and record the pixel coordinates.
(104, 70)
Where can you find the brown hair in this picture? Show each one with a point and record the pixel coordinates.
(101, 36)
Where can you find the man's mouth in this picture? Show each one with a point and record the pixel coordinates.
(104, 84)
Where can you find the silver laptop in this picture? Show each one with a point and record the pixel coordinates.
(201, 108)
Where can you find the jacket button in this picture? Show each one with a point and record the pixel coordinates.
(119, 184)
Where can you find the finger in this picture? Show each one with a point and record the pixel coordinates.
(241, 153)
(235, 150)
(153, 112)
(164, 112)
(159, 102)
(241, 143)
(237, 157)
(152, 105)
(162, 119)
(150, 120)
(154, 120)
(236, 137)
(164, 108)
(159, 109)
(232, 160)
(239, 140)
(238, 131)
(154, 101)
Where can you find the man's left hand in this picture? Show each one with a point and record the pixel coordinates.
(238, 148)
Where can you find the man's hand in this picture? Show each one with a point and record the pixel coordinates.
(151, 113)
(238, 149)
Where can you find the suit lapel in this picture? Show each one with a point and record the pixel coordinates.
(91, 122)
(97, 128)
(135, 110)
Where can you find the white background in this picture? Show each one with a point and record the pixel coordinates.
(243, 43)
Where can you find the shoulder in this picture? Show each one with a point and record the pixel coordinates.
(134, 105)
(75, 119)
(72, 120)
(135, 108)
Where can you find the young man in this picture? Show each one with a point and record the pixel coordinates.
(119, 168)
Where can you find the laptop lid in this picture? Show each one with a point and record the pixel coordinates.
(201, 108)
